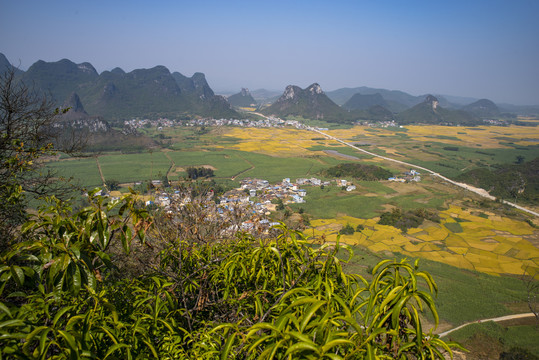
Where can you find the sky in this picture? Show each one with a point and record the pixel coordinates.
(473, 48)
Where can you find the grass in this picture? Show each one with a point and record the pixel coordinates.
(521, 336)
(454, 227)
(226, 163)
(463, 295)
(82, 170)
(134, 167)
(331, 201)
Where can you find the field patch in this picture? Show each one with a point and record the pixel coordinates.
(472, 247)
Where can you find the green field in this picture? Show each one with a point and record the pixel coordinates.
(463, 295)
(134, 167)
(82, 170)
(485, 338)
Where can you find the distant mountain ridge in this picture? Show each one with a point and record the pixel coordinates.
(396, 100)
(118, 95)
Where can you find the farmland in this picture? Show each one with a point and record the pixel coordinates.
(468, 235)
(491, 244)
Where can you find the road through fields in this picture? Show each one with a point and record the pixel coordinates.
(478, 191)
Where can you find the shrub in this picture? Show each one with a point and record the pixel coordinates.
(347, 230)
(241, 297)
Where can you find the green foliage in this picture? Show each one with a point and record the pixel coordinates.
(408, 219)
(112, 184)
(242, 298)
(358, 171)
(509, 182)
(451, 148)
(454, 227)
(199, 172)
(347, 230)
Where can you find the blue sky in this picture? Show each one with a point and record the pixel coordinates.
(483, 49)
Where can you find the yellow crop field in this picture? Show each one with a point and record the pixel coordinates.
(414, 231)
(437, 233)
(481, 245)
(481, 136)
(455, 240)
(502, 248)
(274, 141)
(485, 245)
(458, 250)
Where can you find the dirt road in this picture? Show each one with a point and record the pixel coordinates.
(478, 191)
(498, 319)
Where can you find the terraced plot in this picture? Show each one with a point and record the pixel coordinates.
(493, 245)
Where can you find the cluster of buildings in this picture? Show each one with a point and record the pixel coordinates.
(495, 122)
(140, 123)
(264, 196)
(381, 124)
(269, 122)
(408, 176)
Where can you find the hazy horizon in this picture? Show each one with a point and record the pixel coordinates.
(479, 49)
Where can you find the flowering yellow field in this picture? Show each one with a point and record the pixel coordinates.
(496, 245)
(480, 136)
(288, 141)
(484, 136)
(278, 142)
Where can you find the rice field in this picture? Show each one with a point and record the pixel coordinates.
(493, 245)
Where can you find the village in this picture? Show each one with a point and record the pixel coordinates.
(255, 198)
(269, 122)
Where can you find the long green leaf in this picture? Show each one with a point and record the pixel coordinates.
(17, 274)
(228, 346)
(309, 313)
(301, 347)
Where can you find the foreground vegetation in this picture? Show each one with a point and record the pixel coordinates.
(62, 295)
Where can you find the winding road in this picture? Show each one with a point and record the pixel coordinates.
(478, 191)
(498, 319)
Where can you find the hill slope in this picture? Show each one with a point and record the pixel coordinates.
(311, 103)
(118, 95)
(429, 112)
(508, 181)
(483, 108)
(363, 102)
(243, 98)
